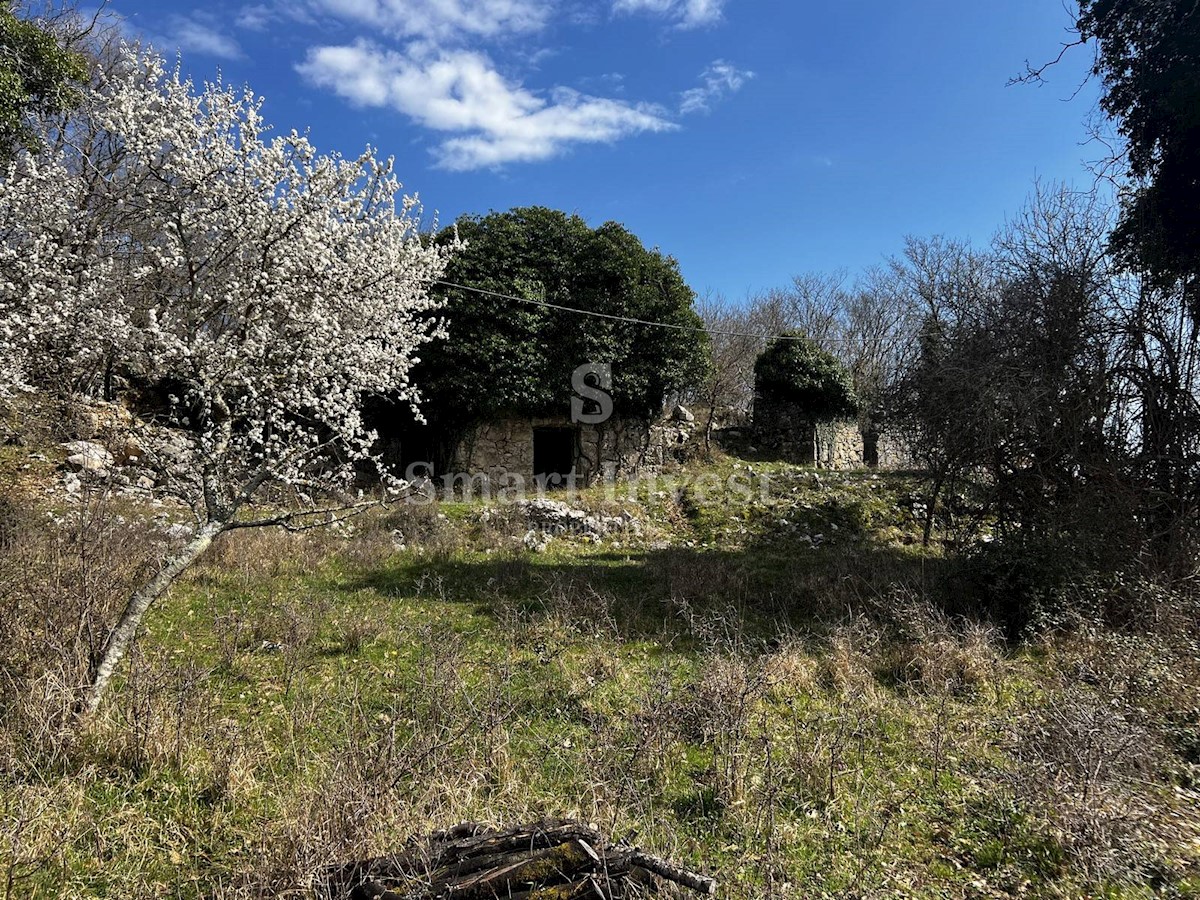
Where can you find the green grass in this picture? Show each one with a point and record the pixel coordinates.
(719, 686)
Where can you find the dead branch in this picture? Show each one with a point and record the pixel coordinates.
(555, 859)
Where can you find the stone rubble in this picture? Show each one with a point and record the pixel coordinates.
(88, 458)
(683, 414)
(547, 519)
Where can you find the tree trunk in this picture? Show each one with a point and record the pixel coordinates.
(123, 633)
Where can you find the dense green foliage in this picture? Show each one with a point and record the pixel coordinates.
(1149, 59)
(797, 371)
(504, 357)
(36, 76)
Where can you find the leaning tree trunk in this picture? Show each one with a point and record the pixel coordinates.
(122, 635)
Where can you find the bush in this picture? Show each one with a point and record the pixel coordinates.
(795, 370)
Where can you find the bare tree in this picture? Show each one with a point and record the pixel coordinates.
(735, 344)
(869, 324)
(816, 305)
(934, 401)
(1027, 381)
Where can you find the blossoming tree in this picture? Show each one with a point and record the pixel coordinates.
(166, 234)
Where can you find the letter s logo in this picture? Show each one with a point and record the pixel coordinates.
(597, 392)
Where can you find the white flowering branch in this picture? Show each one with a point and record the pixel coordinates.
(271, 288)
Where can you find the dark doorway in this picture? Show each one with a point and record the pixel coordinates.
(553, 454)
(871, 450)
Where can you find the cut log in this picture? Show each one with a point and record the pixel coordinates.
(554, 859)
(540, 836)
(701, 884)
(544, 868)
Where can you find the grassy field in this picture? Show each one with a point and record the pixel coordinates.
(795, 714)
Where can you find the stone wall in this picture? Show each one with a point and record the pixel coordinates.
(623, 446)
(893, 452)
(838, 444)
(785, 431)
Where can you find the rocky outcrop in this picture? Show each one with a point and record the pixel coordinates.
(88, 459)
(683, 414)
(114, 450)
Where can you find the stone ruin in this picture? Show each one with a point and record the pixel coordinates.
(557, 449)
(788, 432)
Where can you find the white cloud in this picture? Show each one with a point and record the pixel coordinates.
(255, 17)
(684, 13)
(719, 80)
(461, 92)
(442, 20)
(197, 34)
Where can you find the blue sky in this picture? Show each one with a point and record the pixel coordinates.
(750, 140)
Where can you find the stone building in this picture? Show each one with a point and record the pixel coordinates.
(788, 432)
(557, 448)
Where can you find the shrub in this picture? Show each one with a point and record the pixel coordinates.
(793, 369)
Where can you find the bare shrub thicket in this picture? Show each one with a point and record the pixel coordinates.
(1057, 392)
(1096, 763)
(868, 323)
(1083, 767)
(62, 579)
(423, 527)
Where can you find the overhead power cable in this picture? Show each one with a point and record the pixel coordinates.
(615, 318)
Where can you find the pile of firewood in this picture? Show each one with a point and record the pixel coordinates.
(552, 860)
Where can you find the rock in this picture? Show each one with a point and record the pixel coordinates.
(88, 458)
(94, 419)
(682, 414)
(535, 540)
(554, 518)
(178, 532)
(129, 451)
(145, 482)
(399, 544)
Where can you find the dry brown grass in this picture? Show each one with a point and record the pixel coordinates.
(932, 653)
(63, 579)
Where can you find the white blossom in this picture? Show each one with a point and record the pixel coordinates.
(271, 287)
(265, 288)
